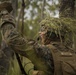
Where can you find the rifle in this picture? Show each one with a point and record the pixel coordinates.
(20, 64)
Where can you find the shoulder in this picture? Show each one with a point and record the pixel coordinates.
(8, 19)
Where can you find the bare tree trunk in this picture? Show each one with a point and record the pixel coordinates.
(4, 0)
(42, 12)
(15, 7)
(22, 27)
(75, 9)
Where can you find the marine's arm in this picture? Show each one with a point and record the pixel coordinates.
(45, 54)
(11, 36)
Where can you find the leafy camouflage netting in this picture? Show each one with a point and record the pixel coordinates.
(61, 26)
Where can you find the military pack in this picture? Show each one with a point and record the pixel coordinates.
(64, 62)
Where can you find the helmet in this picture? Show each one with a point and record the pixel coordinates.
(58, 28)
(6, 5)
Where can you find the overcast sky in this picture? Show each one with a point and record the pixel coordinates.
(28, 14)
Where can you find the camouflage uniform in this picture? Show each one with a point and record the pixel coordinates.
(41, 58)
(12, 42)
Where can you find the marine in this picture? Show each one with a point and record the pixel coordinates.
(12, 42)
(54, 38)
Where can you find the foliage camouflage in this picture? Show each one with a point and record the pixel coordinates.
(61, 26)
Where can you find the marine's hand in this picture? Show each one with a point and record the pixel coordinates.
(38, 73)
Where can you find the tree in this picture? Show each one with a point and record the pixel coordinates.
(15, 7)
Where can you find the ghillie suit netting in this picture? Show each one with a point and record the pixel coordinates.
(62, 27)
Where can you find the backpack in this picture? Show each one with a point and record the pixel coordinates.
(64, 61)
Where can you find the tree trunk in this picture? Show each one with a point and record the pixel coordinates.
(67, 8)
(43, 9)
(4, 0)
(75, 9)
(15, 7)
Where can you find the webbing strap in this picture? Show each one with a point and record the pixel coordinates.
(56, 58)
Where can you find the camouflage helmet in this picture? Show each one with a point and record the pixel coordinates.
(6, 5)
(59, 27)
(50, 27)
